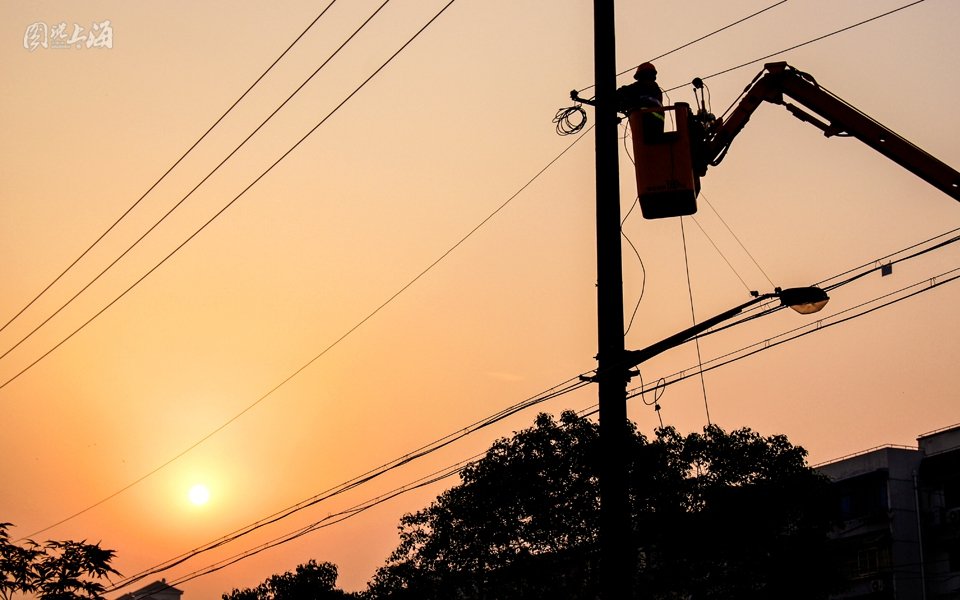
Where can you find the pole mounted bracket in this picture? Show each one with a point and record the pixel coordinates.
(575, 96)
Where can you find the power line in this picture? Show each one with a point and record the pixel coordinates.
(890, 263)
(700, 39)
(558, 390)
(806, 43)
(167, 172)
(889, 256)
(231, 202)
(737, 238)
(693, 317)
(720, 252)
(195, 188)
(807, 329)
(643, 268)
(328, 347)
(867, 268)
(765, 308)
(327, 521)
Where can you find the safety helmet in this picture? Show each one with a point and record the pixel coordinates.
(645, 70)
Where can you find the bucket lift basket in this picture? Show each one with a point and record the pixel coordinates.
(666, 183)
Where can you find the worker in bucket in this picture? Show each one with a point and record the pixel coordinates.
(643, 93)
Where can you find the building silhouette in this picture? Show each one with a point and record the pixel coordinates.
(158, 590)
(899, 514)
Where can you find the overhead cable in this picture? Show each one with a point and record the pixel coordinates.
(693, 318)
(195, 188)
(917, 288)
(889, 257)
(700, 39)
(558, 390)
(230, 203)
(862, 270)
(890, 263)
(327, 521)
(737, 238)
(167, 172)
(235, 417)
(806, 43)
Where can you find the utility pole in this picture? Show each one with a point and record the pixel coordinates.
(616, 554)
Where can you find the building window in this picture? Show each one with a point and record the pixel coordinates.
(868, 561)
(951, 493)
(862, 496)
(954, 559)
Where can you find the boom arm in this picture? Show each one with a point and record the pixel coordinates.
(839, 118)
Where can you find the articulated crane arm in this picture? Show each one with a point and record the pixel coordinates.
(838, 119)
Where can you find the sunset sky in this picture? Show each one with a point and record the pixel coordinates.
(274, 345)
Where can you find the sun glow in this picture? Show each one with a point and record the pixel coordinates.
(199, 494)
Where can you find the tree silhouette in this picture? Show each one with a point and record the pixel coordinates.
(531, 497)
(54, 571)
(715, 515)
(310, 581)
(16, 565)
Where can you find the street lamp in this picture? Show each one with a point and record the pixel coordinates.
(804, 300)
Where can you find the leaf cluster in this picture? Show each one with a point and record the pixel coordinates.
(55, 570)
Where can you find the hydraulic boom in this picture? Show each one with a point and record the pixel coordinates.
(836, 118)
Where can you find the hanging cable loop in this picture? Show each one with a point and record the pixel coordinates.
(570, 120)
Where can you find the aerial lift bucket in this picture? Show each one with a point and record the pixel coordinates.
(666, 183)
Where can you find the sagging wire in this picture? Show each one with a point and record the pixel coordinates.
(658, 389)
(737, 238)
(643, 268)
(720, 252)
(693, 314)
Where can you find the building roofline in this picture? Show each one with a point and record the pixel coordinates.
(936, 431)
(865, 452)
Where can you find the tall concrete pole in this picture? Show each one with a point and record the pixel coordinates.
(616, 556)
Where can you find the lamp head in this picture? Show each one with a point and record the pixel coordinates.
(804, 300)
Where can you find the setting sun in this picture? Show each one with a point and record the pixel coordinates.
(199, 494)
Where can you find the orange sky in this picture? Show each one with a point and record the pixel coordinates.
(435, 143)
